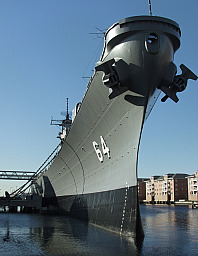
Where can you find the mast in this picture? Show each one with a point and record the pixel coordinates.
(67, 115)
(65, 123)
(150, 11)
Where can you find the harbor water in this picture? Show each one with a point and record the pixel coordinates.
(169, 230)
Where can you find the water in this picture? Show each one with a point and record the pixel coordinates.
(169, 230)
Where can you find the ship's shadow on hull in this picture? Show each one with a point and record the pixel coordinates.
(79, 209)
(129, 77)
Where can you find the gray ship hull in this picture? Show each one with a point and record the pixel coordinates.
(104, 193)
(94, 174)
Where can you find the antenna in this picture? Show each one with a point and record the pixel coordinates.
(150, 11)
(99, 34)
(67, 116)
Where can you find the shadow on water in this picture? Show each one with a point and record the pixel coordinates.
(67, 236)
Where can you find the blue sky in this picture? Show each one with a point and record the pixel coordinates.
(45, 50)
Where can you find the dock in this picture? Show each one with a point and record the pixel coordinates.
(18, 201)
(30, 204)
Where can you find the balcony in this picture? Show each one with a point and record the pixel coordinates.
(193, 188)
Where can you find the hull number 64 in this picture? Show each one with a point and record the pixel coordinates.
(105, 149)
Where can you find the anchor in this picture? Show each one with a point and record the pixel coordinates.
(179, 83)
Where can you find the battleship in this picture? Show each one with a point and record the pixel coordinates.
(92, 174)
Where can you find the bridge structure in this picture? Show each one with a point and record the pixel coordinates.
(12, 203)
(28, 176)
(16, 175)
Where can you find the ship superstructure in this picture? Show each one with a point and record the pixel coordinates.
(65, 125)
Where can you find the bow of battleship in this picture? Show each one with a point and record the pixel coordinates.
(93, 176)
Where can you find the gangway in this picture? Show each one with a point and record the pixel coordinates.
(32, 175)
(16, 175)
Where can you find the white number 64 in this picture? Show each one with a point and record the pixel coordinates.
(105, 149)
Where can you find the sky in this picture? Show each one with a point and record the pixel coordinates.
(47, 47)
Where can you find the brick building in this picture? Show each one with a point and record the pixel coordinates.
(142, 189)
(167, 188)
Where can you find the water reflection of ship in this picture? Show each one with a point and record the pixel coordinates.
(67, 236)
(94, 174)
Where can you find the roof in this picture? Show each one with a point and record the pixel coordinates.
(179, 176)
(143, 179)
